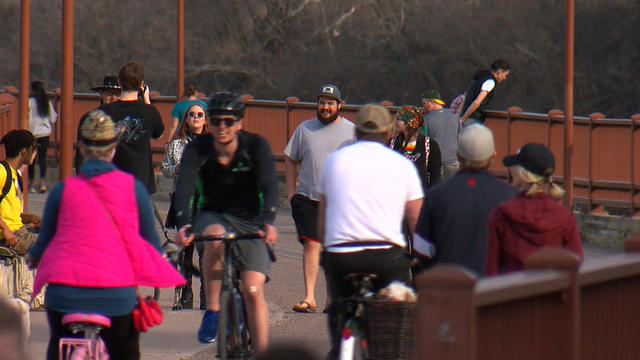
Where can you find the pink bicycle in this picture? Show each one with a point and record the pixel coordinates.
(90, 347)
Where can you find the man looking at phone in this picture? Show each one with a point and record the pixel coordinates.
(229, 176)
(139, 122)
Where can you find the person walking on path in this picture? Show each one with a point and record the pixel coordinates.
(367, 191)
(534, 218)
(443, 126)
(481, 91)
(233, 175)
(42, 117)
(452, 227)
(308, 147)
(423, 151)
(181, 107)
(195, 123)
(109, 92)
(93, 263)
(139, 123)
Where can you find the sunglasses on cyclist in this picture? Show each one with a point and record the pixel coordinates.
(193, 114)
(228, 122)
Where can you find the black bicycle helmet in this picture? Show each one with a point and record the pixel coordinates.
(225, 103)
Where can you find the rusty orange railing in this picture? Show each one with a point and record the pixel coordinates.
(555, 309)
(606, 170)
(8, 116)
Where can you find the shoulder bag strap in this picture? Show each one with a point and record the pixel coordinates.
(426, 158)
(106, 210)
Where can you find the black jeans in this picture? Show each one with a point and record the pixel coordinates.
(122, 339)
(41, 159)
(389, 264)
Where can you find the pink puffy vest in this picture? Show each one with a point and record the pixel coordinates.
(91, 248)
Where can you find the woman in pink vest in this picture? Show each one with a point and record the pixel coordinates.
(97, 244)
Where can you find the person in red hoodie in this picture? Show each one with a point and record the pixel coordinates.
(534, 218)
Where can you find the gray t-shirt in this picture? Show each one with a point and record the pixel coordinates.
(443, 125)
(310, 144)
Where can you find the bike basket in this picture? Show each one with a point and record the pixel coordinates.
(391, 329)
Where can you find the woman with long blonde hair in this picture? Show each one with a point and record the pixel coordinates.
(534, 218)
(194, 124)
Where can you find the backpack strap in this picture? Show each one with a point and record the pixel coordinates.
(7, 183)
(427, 144)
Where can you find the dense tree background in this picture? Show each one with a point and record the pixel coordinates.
(373, 49)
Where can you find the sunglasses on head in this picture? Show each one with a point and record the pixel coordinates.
(228, 122)
(193, 114)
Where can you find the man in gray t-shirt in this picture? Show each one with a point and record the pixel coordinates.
(309, 146)
(443, 126)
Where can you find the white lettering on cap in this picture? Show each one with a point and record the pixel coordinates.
(327, 90)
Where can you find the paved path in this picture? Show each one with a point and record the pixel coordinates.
(176, 337)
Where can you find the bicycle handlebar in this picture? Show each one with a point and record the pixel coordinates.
(226, 237)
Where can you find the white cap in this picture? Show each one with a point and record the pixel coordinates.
(475, 142)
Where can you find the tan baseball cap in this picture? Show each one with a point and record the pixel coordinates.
(373, 118)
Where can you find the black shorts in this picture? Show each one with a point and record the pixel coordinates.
(389, 264)
(305, 215)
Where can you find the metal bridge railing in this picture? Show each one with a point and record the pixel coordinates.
(605, 166)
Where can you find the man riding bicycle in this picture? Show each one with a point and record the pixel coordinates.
(229, 174)
(366, 189)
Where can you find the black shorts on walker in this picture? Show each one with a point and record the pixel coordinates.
(305, 215)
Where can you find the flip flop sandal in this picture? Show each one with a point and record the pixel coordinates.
(304, 307)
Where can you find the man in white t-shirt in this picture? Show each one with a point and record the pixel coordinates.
(481, 90)
(308, 147)
(366, 190)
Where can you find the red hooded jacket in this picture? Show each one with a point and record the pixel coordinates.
(525, 224)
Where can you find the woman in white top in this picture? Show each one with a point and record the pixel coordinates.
(42, 116)
(195, 123)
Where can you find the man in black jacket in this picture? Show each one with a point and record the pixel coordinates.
(233, 177)
(481, 90)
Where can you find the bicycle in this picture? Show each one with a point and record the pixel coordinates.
(235, 342)
(353, 335)
(91, 346)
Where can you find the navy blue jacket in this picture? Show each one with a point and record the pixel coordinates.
(455, 214)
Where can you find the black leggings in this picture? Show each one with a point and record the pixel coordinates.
(41, 159)
(122, 339)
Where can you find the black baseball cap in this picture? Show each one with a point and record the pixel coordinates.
(536, 158)
(330, 91)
